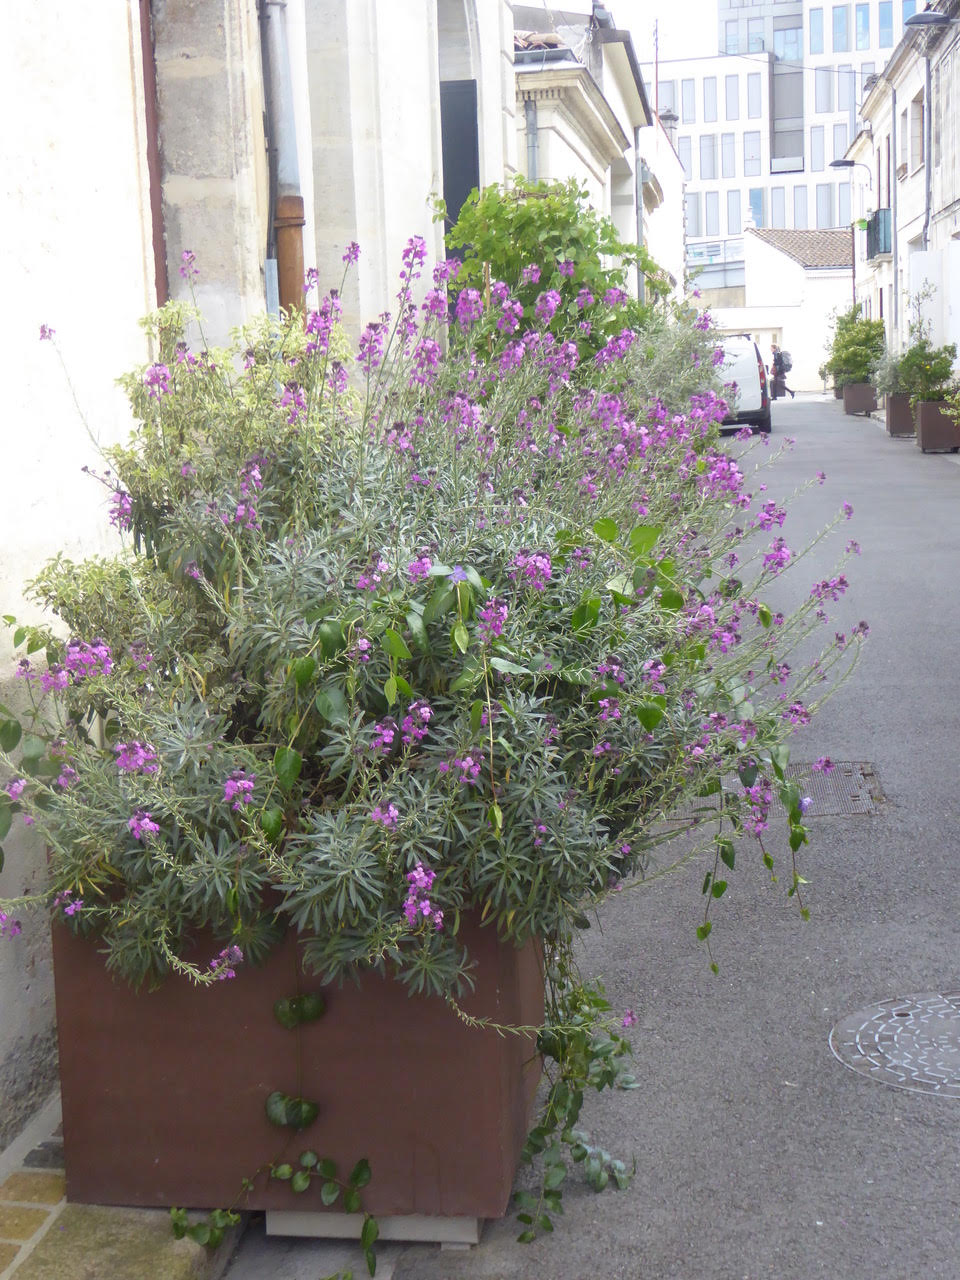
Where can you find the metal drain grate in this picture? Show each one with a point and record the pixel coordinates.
(851, 789)
(913, 1043)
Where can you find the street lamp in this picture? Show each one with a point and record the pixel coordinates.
(854, 164)
(929, 19)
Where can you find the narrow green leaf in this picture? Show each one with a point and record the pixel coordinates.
(476, 715)
(10, 733)
(390, 690)
(360, 1174)
(461, 637)
(643, 538)
(332, 705)
(671, 599)
(282, 1172)
(309, 1159)
(369, 1232)
(330, 1193)
(511, 668)
(703, 932)
(606, 529)
(649, 715)
(300, 1181)
(328, 1168)
(271, 822)
(351, 1200)
(6, 816)
(303, 671)
(370, 1258)
(727, 854)
(719, 888)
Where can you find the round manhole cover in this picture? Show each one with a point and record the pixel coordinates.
(911, 1043)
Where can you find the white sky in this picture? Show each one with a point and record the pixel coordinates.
(687, 28)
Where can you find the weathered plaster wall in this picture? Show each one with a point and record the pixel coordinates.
(210, 101)
(76, 254)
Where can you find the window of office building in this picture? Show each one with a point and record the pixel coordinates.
(778, 206)
(756, 206)
(667, 95)
(885, 24)
(817, 157)
(683, 154)
(710, 98)
(909, 9)
(732, 89)
(841, 28)
(839, 141)
(688, 106)
(800, 208)
(823, 89)
(711, 213)
(863, 26)
(843, 204)
(708, 157)
(751, 153)
(788, 44)
(816, 31)
(734, 216)
(754, 35)
(824, 205)
(728, 156)
(753, 95)
(693, 213)
(730, 41)
(846, 87)
(867, 69)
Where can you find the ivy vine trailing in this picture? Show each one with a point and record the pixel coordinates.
(432, 632)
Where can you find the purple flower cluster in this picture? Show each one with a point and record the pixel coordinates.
(416, 722)
(531, 274)
(418, 908)
(534, 566)
(293, 400)
(370, 347)
(492, 617)
(469, 308)
(796, 713)
(157, 381)
(370, 580)
(778, 557)
(546, 305)
(420, 568)
(71, 905)
(223, 966)
(829, 588)
(84, 660)
(142, 824)
(609, 709)
(188, 265)
(14, 788)
(121, 510)
(387, 816)
(238, 789)
(352, 254)
(320, 323)
(136, 757)
(9, 928)
(465, 770)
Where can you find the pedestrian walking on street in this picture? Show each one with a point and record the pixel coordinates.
(780, 366)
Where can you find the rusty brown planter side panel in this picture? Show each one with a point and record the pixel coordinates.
(163, 1092)
(859, 397)
(936, 428)
(899, 415)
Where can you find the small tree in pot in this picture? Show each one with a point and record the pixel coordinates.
(927, 376)
(888, 382)
(857, 344)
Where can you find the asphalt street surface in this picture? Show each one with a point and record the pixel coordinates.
(758, 1153)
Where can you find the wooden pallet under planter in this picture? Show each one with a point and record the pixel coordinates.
(859, 397)
(899, 415)
(164, 1091)
(936, 427)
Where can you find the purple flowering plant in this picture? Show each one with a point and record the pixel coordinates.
(492, 611)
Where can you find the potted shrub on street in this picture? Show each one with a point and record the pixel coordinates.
(888, 383)
(857, 343)
(391, 686)
(926, 373)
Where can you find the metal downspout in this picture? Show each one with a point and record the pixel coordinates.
(927, 148)
(533, 143)
(288, 220)
(894, 186)
(638, 177)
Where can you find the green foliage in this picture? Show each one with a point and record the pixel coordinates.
(857, 346)
(926, 372)
(885, 374)
(504, 231)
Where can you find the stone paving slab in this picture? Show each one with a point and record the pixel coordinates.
(42, 1237)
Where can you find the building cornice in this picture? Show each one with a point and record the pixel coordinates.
(574, 89)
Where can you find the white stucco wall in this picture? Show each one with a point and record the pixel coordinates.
(76, 254)
(788, 305)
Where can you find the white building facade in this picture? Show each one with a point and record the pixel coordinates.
(908, 262)
(758, 126)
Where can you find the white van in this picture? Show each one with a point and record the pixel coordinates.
(750, 399)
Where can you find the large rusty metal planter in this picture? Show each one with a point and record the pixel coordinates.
(859, 397)
(899, 415)
(164, 1091)
(936, 427)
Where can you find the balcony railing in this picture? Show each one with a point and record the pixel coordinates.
(878, 233)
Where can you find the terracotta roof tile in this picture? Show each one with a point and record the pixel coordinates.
(810, 248)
